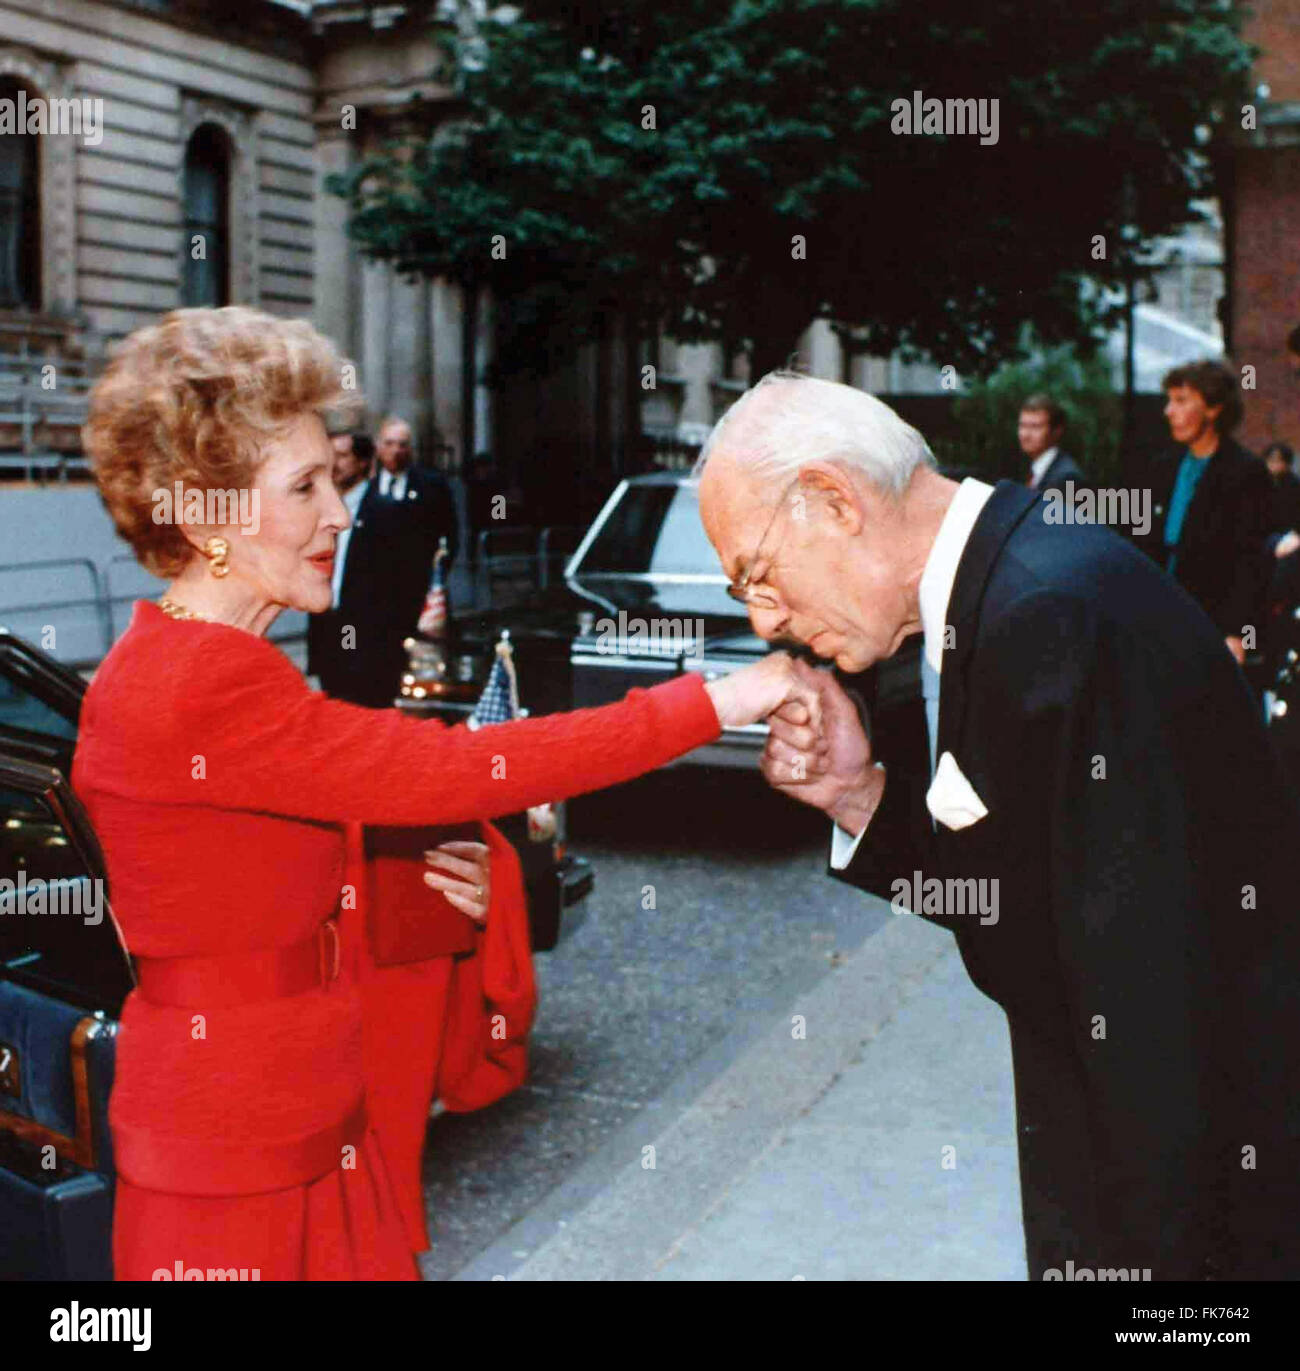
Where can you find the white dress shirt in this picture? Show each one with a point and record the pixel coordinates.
(1038, 467)
(392, 487)
(352, 499)
(934, 593)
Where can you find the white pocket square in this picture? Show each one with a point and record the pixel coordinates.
(951, 797)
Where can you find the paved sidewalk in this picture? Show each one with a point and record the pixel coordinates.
(821, 1157)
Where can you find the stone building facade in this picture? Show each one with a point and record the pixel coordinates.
(221, 124)
(180, 102)
(1263, 223)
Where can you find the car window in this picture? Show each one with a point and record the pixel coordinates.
(653, 530)
(21, 709)
(37, 694)
(56, 933)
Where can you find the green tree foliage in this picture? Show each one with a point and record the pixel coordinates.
(666, 157)
(986, 412)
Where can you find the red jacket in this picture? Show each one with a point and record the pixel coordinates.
(219, 785)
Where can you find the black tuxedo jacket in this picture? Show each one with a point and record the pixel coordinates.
(1062, 469)
(385, 578)
(1222, 558)
(1144, 842)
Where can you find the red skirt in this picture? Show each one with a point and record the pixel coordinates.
(343, 1226)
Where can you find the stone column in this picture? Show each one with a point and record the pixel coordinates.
(446, 307)
(698, 364)
(337, 270)
(869, 373)
(484, 326)
(822, 348)
(407, 342)
(375, 282)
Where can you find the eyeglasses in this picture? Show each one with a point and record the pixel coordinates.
(740, 590)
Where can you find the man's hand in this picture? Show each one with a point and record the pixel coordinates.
(829, 765)
(1238, 650)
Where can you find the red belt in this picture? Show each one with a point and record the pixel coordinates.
(241, 977)
(233, 1166)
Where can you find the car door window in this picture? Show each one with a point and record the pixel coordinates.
(683, 548)
(654, 536)
(37, 694)
(56, 930)
(21, 709)
(626, 541)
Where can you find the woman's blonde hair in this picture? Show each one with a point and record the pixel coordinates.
(195, 398)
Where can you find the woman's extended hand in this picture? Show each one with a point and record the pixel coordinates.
(754, 692)
(470, 889)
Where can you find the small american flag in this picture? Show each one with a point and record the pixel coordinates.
(433, 617)
(498, 704)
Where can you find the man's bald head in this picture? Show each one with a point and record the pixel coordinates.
(824, 502)
(788, 419)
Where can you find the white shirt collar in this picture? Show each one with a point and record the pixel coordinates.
(352, 498)
(1040, 464)
(941, 565)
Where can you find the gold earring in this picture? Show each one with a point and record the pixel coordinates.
(218, 550)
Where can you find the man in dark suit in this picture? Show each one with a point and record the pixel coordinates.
(1279, 461)
(327, 659)
(1088, 783)
(1041, 431)
(404, 511)
(1212, 504)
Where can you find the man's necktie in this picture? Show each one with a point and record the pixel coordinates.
(930, 694)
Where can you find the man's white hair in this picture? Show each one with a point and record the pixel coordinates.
(788, 420)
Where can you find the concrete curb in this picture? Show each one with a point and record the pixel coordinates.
(617, 1219)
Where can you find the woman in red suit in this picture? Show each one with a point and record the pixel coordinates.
(224, 791)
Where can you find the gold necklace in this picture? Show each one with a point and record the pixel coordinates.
(174, 611)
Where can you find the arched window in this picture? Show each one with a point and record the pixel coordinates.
(20, 215)
(205, 278)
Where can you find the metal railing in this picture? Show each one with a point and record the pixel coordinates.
(511, 562)
(140, 585)
(31, 410)
(554, 547)
(118, 585)
(97, 598)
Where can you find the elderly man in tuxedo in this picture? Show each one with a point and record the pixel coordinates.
(384, 563)
(1085, 741)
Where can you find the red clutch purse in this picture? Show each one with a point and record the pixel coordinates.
(407, 920)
